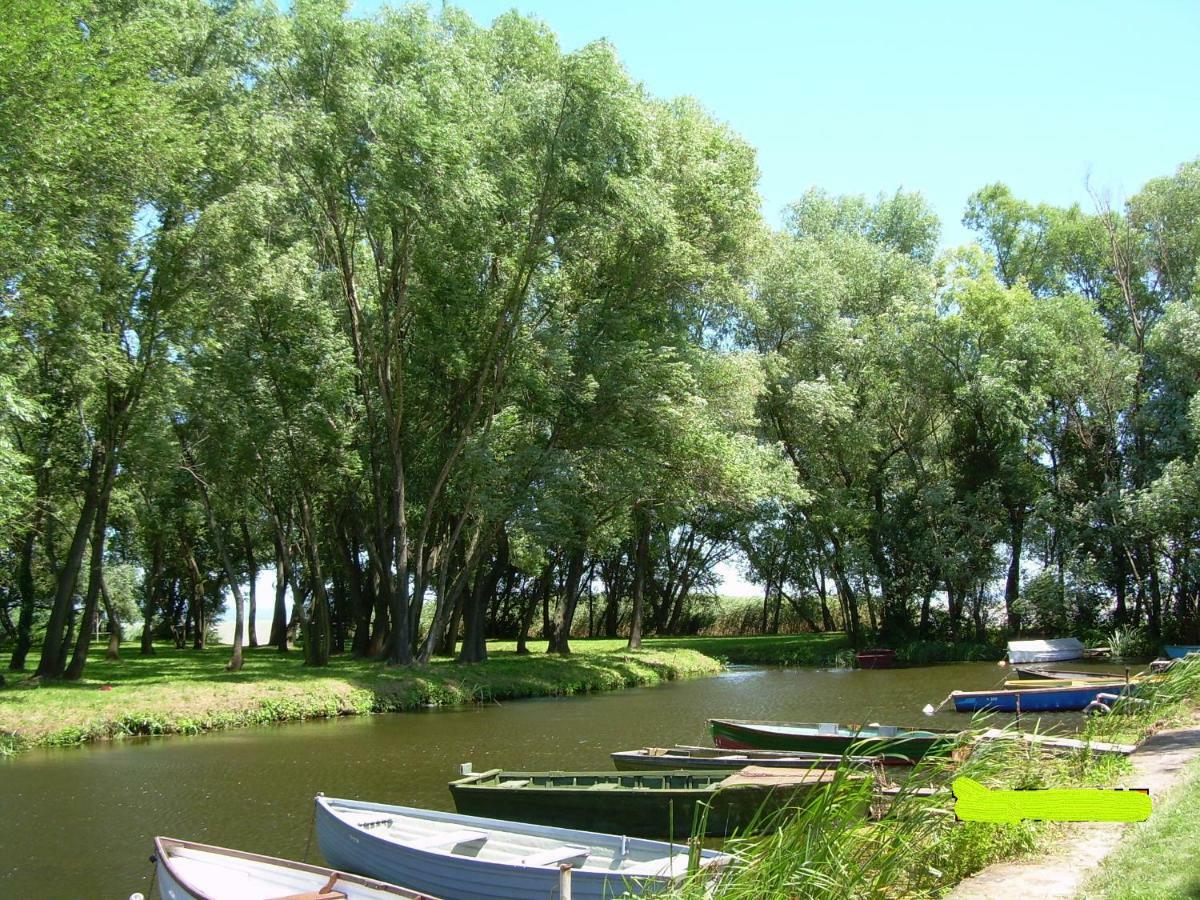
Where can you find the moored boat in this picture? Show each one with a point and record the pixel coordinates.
(892, 743)
(1179, 651)
(687, 757)
(670, 804)
(876, 658)
(1055, 650)
(1068, 698)
(190, 871)
(473, 858)
(1038, 672)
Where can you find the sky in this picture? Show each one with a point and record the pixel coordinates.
(936, 97)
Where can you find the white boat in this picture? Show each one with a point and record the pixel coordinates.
(1055, 650)
(190, 871)
(475, 858)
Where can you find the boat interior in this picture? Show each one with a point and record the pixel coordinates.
(623, 856)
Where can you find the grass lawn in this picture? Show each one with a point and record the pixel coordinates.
(188, 691)
(1160, 860)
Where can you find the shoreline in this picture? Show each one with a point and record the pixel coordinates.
(142, 696)
(1069, 862)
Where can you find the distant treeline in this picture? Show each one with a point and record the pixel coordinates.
(424, 314)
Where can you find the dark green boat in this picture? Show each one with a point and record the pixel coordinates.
(640, 804)
(895, 744)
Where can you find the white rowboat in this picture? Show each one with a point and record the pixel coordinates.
(1055, 650)
(190, 871)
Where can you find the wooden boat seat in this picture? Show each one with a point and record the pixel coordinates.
(603, 786)
(556, 855)
(515, 783)
(325, 892)
(447, 839)
(663, 866)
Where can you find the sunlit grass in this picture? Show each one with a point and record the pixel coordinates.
(1160, 860)
(189, 691)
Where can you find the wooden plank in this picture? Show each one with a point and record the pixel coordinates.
(555, 855)
(446, 839)
(997, 734)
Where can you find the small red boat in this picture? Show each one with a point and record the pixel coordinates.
(876, 658)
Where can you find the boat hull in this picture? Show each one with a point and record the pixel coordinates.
(191, 871)
(1057, 650)
(353, 849)
(1064, 699)
(650, 804)
(1179, 651)
(1061, 674)
(903, 749)
(716, 759)
(876, 659)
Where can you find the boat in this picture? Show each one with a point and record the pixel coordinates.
(1179, 651)
(877, 658)
(894, 744)
(655, 803)
(1055, 650)
(474, 858)
(191, 871)
(687, 757)
(1068, 698)
(1037, 672)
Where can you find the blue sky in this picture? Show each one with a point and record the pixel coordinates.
(940, 97)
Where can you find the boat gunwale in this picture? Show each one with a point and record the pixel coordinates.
(162, 843)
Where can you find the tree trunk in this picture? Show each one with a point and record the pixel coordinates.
(641, 562)
(561, 641)
(151, 588)
(115, 632)
(53, 660)
(283, 575)
(252, 568)
(26, 588)
(1012, 585)
(95, 572)
(535, 602)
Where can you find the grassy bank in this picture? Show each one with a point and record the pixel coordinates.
(188, 692)
(918, 849)
(1161, 858)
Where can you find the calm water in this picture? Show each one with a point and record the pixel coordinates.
(79, 822)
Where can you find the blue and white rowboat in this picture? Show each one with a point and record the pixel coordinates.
(474, 858)
(1053, 699)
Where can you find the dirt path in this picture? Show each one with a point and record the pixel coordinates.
(1158, 765)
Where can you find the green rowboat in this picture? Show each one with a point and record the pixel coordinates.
(897, 745)
(659, 804)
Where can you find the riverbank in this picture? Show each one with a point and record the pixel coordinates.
(1115, 860)
(919, 849)
(189, 692)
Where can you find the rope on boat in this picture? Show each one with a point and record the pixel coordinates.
(934, 710)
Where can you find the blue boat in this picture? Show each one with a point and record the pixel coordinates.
(1179, 651)
(1052, 699)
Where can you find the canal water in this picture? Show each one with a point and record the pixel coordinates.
(78, 822)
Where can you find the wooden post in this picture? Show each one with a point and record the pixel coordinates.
(564, 881)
